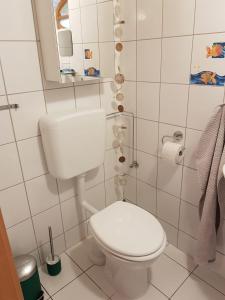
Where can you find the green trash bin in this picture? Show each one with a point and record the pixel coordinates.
(27, 271)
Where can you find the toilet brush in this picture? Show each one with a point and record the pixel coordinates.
(53, 261)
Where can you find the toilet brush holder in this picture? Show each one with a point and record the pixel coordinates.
(53, 261)
(53, 266)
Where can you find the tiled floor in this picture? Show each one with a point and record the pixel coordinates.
(174, 276)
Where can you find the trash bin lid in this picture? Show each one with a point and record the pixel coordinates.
(26, 266)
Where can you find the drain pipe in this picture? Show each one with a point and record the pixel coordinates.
(80, 184)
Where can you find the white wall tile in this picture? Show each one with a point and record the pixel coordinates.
(146, 197)
(96, 196)
(94, 177)
(189, 219)
(21, 237)
(173, 104)
(209, 16)
(6, 133)
(25, 118)
(178, 17)
(89, 24)
(149, 19)
(168, 208)
(169, 177)
(75, 25)
(75, 62)
(66, 189)
(107, 94)
(21, 72)
(203, 101)
(147, 170)
(75, 235)
(105, 21)
(147, 136)
(51, 217)
(129, 90)
(60, 99)
(42, 193)
(32, 157)
(128, 60)
(19, 21)
(191, 143)
(10, 171)
(87, 97)
(191, 191)
(128, 13)
(107, 65)
(186, 243)
(130, 189)
(176, 59)
(87, 2)
(2, 85)
(113, 191)
(14, 205)
(148, 100)
(171, 232)
(149, 60)
(72, 213)
(111, 164)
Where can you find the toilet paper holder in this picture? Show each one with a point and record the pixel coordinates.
(176, 137)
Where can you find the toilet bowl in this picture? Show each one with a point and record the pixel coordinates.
(129, 240)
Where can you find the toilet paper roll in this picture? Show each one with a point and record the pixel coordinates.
(173, 152)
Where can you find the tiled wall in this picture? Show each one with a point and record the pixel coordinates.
(29, 197)
(161, 46)
(167, 43)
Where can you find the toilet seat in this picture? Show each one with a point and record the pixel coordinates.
(128, 232)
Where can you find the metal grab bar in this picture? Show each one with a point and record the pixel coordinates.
(8, 106)
(134, 163)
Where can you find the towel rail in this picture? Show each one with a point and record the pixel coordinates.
(8, 106)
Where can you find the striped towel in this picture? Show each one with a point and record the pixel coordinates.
(210, 158)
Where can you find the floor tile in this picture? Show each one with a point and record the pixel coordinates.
(97, 274)
(46, 295)
(79, 254)
(81, 289)
(180, 257)
(195, 289)
(69, 272)
(152, 294)
(212, 278)
(167, 275)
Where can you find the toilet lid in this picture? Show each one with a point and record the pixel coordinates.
(128, 229)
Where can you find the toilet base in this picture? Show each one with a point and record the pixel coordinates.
(129, 282)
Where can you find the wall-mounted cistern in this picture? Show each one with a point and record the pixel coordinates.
(74, 144)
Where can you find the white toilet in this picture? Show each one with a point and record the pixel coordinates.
(131, 239)
(127, 239)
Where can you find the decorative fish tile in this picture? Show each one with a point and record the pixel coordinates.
(207, 78)
(217, 50)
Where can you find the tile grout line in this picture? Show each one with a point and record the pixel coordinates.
(21, 169)
(186, 121)
(159, 107)
(182, 283)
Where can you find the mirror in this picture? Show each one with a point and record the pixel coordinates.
(77, 39)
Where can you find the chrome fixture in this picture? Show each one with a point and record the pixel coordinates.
(177, 137)
(8, 106)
